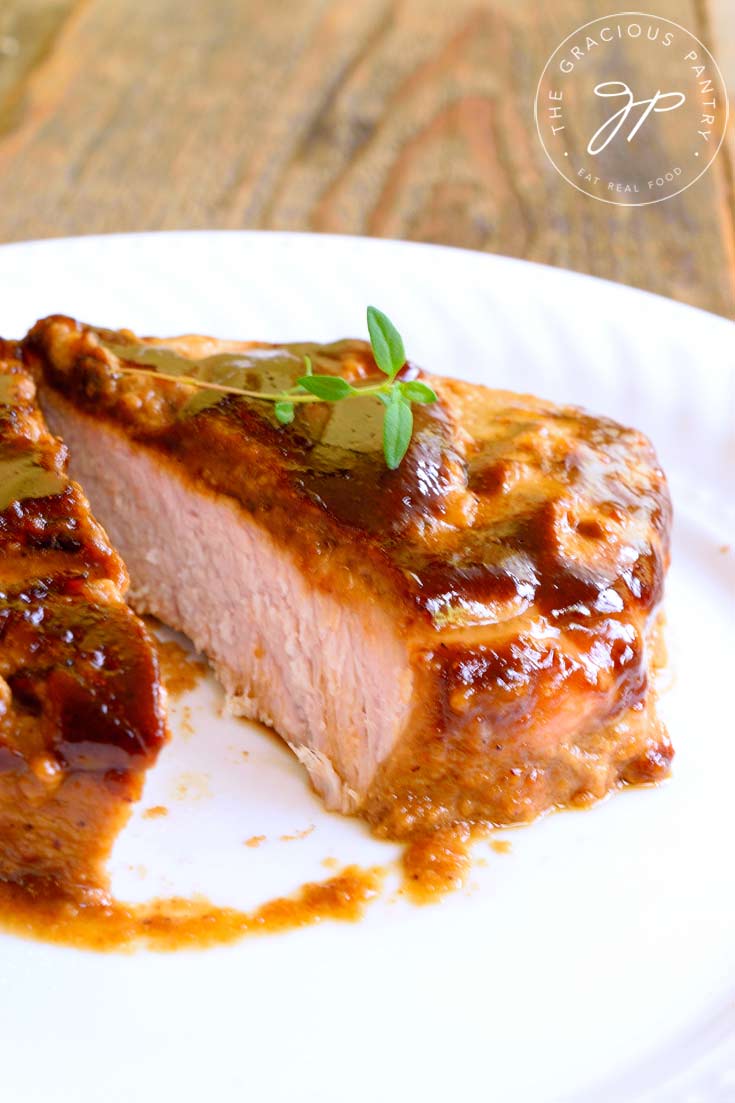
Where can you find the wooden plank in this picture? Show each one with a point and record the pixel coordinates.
(28, 29)
(718, 23)
(410, 119)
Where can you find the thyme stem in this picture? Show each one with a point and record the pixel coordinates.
(266, 396)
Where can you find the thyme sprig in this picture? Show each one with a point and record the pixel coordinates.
(396, 395)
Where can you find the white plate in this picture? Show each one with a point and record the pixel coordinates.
(597, 959)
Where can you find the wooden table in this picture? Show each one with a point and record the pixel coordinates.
(409, 119)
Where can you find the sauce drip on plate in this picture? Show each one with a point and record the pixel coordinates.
(176, 924)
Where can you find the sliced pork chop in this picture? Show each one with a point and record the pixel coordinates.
(465, 638)
(81, 710)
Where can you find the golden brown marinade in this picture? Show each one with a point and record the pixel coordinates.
(81, 711)
(521, 548)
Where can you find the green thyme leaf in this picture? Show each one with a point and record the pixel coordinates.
(397, 429)
(417, 392)
(284, 412)
(386, 342)
(329, 388)
(308, 365)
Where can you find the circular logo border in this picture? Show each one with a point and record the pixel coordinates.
(620, 15)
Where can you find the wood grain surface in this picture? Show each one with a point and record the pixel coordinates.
(396, 118)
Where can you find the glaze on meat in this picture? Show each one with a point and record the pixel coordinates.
(81, 713)
(467, 639)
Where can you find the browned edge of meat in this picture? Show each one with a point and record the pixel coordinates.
(81, 706)
(465, 639)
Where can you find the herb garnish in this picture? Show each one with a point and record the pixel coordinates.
(396, 395)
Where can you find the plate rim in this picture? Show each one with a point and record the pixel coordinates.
(363, 240)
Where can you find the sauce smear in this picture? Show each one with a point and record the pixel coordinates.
(176, 924)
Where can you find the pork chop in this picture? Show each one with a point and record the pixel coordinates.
(466, 638)
(81, 711)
